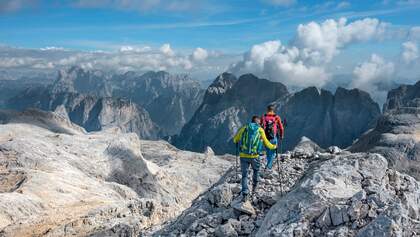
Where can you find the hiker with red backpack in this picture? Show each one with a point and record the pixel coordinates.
(274, 130)
(250, 139)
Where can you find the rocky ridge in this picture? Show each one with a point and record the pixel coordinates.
(397, 133)
(58, 180)
(325, 193)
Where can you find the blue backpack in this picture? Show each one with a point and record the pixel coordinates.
(251, 140)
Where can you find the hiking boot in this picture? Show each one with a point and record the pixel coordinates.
(245, 197)
(254, 189)
(268, 174)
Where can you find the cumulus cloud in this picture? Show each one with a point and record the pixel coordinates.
(200, 54)
(166, 50)
(128, 48)
(303, 62)
(126, 58)
(372, 75)
(414, 33)
(410, 52)
(321, 42)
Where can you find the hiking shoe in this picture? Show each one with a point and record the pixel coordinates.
(245, 197)
(254, 189)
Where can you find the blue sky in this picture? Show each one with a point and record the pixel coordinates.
(230, 26)
(299, 43)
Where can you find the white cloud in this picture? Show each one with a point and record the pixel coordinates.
(303, 61)
(200, 54)
(410, 52)
(126, 58)
(277, 62)
(414, 33)
(283, 3)
(372, 72)
(343, 5)
(52, 48)
(374, 76)
(128, 48)
(166, 49)
(321, 42)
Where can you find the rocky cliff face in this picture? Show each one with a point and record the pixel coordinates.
(171, 100)
(403, 97)
(91, 112)
(326, 118)
(78, 80)
(58, 180)
(397, 133)
(227, 105)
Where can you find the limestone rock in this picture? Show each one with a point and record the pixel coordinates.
(55, 178)
(226, 230)
(396, 135)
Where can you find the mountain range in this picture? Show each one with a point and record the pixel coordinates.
(73, 165)
(326, 118)
(133, 102)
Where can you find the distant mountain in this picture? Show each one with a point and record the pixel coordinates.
(92, 112)
(163, 95)
(397, 133)
(12, 87)
(79, 80)
(171, 100)
(405, 96)
(228, 104)
(326, 118)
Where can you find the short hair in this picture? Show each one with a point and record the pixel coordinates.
(271, 108)
(254, 118)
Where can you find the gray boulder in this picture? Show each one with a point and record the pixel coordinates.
(335, 195)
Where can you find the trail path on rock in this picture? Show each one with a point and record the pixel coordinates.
(213, 214)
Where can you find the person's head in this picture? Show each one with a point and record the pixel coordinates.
(271, 108)
(256, 119)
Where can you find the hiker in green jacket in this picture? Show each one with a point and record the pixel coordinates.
(250, 139)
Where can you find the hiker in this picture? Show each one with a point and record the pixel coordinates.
(250, 139)
(273, 128)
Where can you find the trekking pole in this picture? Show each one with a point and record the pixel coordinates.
(278, 166)
(236, 162)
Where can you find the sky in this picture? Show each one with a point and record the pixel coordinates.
(300, 43)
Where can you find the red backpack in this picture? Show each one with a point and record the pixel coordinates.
(270, 123)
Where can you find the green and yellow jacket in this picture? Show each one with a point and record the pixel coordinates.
(266, 142)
